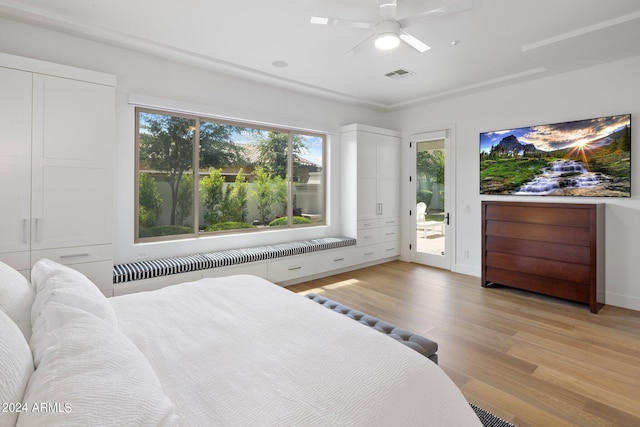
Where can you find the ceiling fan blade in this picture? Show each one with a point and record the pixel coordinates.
(447, 9)
(321, 20)
(359, 47)
(414, 42)
(387, 9)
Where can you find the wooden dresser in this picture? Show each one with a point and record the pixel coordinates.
(555, 249)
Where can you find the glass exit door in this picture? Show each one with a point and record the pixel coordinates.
(432, 215)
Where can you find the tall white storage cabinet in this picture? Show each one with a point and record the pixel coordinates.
(57, 130)
(371, 189)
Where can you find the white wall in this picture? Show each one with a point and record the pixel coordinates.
(168, 82)
(599, 91)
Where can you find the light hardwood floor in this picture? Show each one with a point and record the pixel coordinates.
(530, 359)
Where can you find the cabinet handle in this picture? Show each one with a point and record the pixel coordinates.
(390, 234)
(338, 259)
(37, 236)
(390, 222)
(294, 268)
(368, 253)
(25, 224)
(74, 255)
(390, 249)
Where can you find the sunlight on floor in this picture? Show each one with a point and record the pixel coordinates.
(343, 283)
(332, 286)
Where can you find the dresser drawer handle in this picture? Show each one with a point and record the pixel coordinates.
(75, 255)
(390, 249)
(338, 259)
(294, 268)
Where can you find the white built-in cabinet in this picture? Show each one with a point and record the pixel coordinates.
(370, 205)
(57, 129)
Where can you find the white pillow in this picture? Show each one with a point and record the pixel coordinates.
(62, 284)
(92, 373)
(16, 298)
(16, 366)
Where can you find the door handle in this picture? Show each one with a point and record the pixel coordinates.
(446, 219)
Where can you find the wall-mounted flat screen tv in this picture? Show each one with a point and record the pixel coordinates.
(590, 158)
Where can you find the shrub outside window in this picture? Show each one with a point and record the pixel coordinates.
(198, 176)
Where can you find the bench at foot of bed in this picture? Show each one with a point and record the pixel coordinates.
(422, 345)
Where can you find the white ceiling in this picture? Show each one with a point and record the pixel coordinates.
(500, 41)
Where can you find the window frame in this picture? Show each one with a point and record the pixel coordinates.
(195, 173)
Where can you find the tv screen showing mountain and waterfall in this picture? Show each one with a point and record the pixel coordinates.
(590, 158)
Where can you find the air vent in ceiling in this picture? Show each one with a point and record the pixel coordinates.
(399, 74)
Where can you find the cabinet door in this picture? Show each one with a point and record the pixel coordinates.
(367, 164)
(15, 160)
(73, 132)
(388, 188)
(388, 195)
(367, 198)
(388, 156)
(367, 161)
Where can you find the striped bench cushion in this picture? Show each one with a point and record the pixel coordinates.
(163, 267)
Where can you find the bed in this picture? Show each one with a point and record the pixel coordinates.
(229, 351)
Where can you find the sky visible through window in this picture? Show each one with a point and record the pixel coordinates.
(312, 144)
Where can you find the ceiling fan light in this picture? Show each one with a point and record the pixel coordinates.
(387, 41)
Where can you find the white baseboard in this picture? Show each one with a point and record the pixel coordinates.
(623, 301)
(467, 269)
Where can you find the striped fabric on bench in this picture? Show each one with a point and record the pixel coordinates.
(163, 267)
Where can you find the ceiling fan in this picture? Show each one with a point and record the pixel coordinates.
(389, 31)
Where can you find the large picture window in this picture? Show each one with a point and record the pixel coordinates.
(197, 176)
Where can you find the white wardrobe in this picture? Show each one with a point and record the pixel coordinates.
(371, 190)
(57, 130)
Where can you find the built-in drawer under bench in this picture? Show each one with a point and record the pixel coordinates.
(148, 269)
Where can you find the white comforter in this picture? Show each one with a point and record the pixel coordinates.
(242, 351)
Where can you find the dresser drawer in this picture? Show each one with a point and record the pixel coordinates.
(368, 237)
(292, 267)
(75, 255)
(388, 222)
(389, 234)
(389, 249)
(368, 253)
(20, 261)
(339, 258)
(99, 272)
(368, 223)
